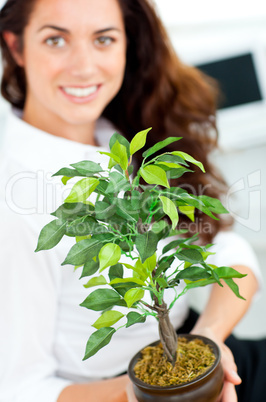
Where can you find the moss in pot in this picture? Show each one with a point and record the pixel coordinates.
(117, 239)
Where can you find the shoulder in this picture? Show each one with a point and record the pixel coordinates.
(231, 242)
(232, 249)
(229, 239)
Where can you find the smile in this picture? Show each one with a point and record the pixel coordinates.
(80, 92)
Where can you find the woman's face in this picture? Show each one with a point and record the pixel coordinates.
(74, 58)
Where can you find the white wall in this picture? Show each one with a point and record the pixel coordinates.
(202, 31)
(192, 12)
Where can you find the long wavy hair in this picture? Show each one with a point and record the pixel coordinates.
(158, 91)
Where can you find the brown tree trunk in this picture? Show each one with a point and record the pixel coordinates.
(167, 333)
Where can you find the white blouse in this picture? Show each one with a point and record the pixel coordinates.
(43, 329)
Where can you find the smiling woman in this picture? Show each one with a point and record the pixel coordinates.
(74, 72)
(74, 67)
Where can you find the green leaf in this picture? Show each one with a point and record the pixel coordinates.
(193, 274)
(104, 237)
(83, 251)
(154, 175)
(134, 318)
(103, 210)
(125, 209)
(189, 158)
(172, 245)
(199, 284)
(116, 271)
(102, 186)
(107, 319)
(205, 254)
(190, 255)
(79, 238)
(102, 299)
(138, 141)
(122, 288)
(188, 211)
(180, 242)
(121, 152)
(97, 281)
(146, 245)
(160, 145)
(109, 255)
(117, 183)
(183, 198)
(159, 227)
(112, 156)
(176, 173)
(122, 140)
(82, 190)
(73, 210)
(234, 287)
(150, 263)
(170, 209)
(126, 280)
(170, 165)
(87, 167)
(164, 264)
(135, 199)
(67, 172)
(133, 295)
(83, 226)
(51, 234)
(65, 180)
(98, 340)
(162, 282)
(213, 204)
(138, 269)
(171, 159)
(90, 267)
(228, 273)
(130, 170)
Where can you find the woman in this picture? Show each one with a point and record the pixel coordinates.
(74, 71)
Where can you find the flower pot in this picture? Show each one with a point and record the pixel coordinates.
(205, 388)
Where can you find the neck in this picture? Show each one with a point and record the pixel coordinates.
(82, 133)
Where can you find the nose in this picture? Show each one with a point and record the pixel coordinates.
(83, 61)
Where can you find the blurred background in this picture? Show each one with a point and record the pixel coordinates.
(227, 40)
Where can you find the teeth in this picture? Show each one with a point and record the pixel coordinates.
(80, 92)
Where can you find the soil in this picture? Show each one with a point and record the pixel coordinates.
(193, 359)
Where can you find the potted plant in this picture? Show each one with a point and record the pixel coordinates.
(117, 239)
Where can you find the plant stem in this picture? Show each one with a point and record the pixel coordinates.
(167, 332)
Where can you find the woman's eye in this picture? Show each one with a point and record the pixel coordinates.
(104, 41)
(56, 41)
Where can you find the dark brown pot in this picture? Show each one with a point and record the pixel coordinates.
(205, 388)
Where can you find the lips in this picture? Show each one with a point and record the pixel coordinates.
(80, 92)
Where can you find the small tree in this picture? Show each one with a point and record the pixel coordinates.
(129, 219)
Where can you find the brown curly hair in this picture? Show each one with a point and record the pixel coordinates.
(158, 91)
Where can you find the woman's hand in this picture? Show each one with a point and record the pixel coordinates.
(217, 321)
(231, 377)
(130, 393)
(118, 389)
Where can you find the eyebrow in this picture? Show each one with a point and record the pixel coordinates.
(67, 31)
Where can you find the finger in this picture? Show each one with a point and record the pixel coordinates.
(229, 393)
(229, 366)
(232, 376)
(130, 394)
